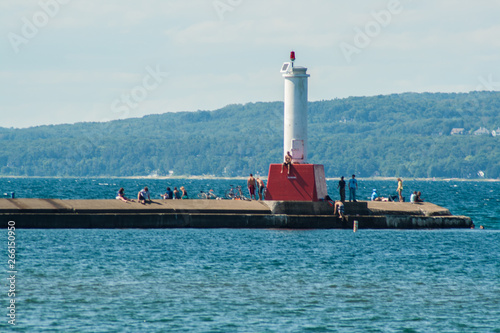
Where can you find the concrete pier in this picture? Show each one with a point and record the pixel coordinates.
(55, 213)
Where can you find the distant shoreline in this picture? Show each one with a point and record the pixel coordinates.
(244, 178)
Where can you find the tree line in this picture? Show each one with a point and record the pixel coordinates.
(407, 135)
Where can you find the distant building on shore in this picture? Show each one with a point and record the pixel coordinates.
(482, 131)
(457, 131)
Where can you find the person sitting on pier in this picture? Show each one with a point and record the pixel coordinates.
(375, 196)
(121, 195)
(184, 193)
(413, 197)
(287, 162)
(419, 199)
(339, 208)
(169, 194)
(177, 194)
(143, 196)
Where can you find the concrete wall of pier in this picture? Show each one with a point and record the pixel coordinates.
(52, 213)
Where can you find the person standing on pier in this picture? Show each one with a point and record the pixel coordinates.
(353, 186)
(262, 186)
(341, 187)
(251, 187)
(400, 190)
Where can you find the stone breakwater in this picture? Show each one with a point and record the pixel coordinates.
(108, 214)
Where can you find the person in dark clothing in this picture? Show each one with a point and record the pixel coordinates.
(341, 188)
(169, 194)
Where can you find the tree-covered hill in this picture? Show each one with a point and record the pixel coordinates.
(407, 135)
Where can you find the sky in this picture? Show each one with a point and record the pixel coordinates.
(68, 61)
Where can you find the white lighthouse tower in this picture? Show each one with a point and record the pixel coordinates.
(303, 182)
(295, 119)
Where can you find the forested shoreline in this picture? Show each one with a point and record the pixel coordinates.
(420, 135)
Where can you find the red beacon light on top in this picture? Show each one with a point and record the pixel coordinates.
(292, 56)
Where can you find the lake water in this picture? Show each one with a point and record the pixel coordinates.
(225, 280)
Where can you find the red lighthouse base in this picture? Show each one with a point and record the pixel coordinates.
(305, 182)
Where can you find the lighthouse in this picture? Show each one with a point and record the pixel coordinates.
(304, 181)
(295, 118)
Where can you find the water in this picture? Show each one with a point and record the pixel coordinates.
(225, 280)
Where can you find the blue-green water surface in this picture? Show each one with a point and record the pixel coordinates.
(184, 280)
(241, 280)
